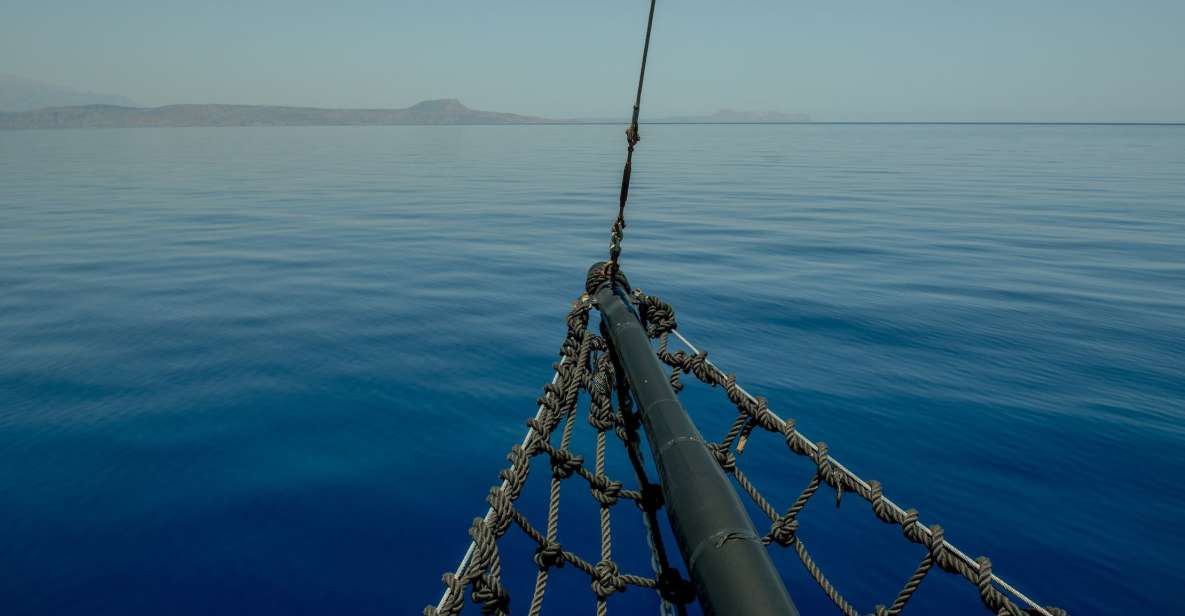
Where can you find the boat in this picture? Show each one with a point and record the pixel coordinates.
(630, 377)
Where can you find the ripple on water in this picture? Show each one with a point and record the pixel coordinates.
(267, 369)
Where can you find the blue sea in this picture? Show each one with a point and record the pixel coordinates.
(276, 370)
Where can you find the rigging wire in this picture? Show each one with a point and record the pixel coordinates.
(1033, 605)
(632, 138)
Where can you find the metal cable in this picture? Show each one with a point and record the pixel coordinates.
(865, 485)
(464, 564)
(617, 233)
(584, 366)
(662, 322)
(587, 365)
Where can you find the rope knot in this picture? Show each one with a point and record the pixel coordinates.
(698, 365)
(456, 596)
(549, 554)
(910, 527)
(724, 457)
(600, 410)
(488, 591)
(518, 460)
(676, 384)
(827, 471)
(992, 598)
(517, 456)
(983, 577)
(606, 579)
(564, 463)
(730, 387)
(603, 271)
(550, 401)
(601, 418)
(658, 315)
(605, 490)
(538, 441)
(879, 507)
(784, 530)
(793, 439)
(501, 503)
(937, 546)
(758, 410)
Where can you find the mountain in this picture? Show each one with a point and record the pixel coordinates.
(729, 116)
(440, 105)
(16, 93)
(20, 94)
(444, 111)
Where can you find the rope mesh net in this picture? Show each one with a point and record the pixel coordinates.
(586, 365)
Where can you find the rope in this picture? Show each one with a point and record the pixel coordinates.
(586, 366)
(464, 564)
(753, 411)
(617, 233)
(674, 591)
(871, 486)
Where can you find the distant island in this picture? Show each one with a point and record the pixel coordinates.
(445, 111)
(435, 112)
(29, 104)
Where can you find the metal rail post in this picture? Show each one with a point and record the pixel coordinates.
(729, 566)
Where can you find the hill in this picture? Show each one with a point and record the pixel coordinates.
(443, 111)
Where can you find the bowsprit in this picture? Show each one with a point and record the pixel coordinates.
(631, 387)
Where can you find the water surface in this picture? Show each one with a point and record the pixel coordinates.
(277, 369)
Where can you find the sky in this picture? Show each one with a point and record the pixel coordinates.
(838, 60)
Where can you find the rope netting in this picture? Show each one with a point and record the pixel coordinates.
(587, 365)
(753, 412)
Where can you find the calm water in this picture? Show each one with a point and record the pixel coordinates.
(276, 370)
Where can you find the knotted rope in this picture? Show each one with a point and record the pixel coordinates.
(585, 366)
(753, 412)
(617, 233)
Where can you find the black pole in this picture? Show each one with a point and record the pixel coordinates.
(729, 566)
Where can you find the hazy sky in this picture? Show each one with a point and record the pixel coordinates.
(1083, 60)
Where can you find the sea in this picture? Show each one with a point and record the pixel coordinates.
(277, 370)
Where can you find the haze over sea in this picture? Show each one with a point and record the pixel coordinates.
(276, 370)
